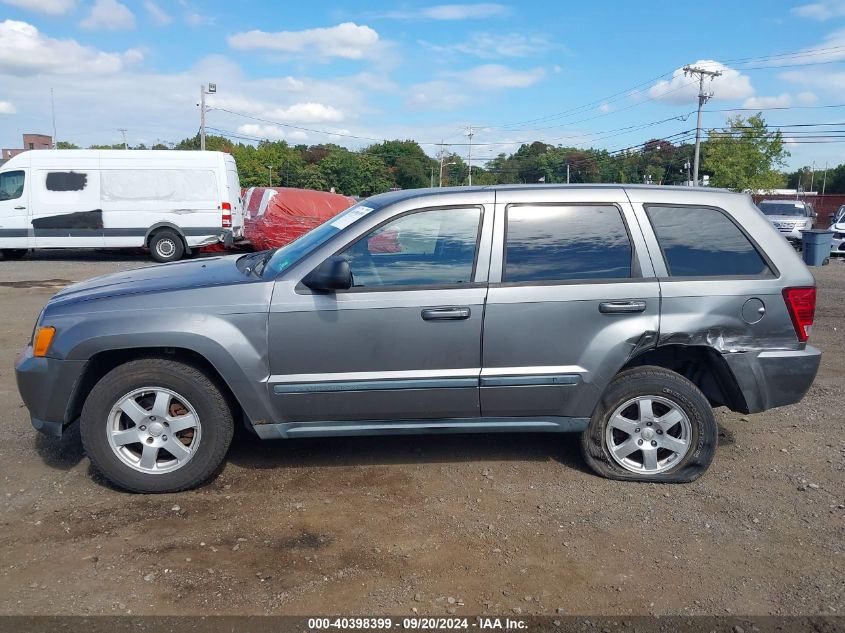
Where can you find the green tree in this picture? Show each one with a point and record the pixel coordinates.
(66, 145)
(408, 165)
(745, 155)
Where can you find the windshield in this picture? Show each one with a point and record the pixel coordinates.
(783, 208)
(285, 257)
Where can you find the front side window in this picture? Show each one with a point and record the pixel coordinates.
(566, 243)
(11, 185)
(435, 247)
(703, 242)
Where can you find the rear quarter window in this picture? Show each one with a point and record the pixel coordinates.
(704, 242)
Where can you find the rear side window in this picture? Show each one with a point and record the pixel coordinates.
(566, 243)
(703, 242)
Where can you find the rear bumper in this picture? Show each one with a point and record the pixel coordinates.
(776, 378)
(47, 386)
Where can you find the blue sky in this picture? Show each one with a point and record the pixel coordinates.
(597, 74)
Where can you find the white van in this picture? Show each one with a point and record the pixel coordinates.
(171, 202)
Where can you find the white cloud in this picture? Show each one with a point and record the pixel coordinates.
(492, 45)
(821, 11)
(604, 108)
(451, 12)
(453, 89)
(806, 98)
(783, 100)
(307, 113)
(271, 132)
(730, 85)
(109, 15)
(7, 107)
(25, 51)
(498, 76)
(158, 15)
(50, 7)
(195, 18)
(347, 40)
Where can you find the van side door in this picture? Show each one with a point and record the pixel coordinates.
(66, 207)
(572, 296)
(14, 209)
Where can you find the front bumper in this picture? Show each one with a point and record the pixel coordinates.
(775, 378)
(47, 387)
(837, 244)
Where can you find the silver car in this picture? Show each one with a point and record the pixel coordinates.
(837, 245)
(623, 313)
(789, 217)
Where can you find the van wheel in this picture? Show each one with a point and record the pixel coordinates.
(156, 425)
(651, 425)
(166, 246)
(14, 253)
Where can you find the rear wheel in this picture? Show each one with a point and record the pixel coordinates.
(166, 246)
(156, 425)
(651, 425)
(14, 253)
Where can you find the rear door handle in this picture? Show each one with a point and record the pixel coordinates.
(19, 208)
(445, 314)
(618, 307)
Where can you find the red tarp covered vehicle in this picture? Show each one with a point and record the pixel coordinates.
(275, 216)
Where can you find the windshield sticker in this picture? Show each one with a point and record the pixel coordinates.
(348, 218)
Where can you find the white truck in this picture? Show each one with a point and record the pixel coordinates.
(171, 202)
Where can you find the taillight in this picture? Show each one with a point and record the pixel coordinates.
(801, 303)
(227, 217)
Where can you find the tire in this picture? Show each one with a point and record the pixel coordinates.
(10, 254)
(166, 246)
(658, 448)
(188, 396)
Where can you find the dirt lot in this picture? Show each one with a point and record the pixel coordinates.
(476, 524)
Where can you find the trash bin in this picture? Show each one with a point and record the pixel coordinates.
(815, 246)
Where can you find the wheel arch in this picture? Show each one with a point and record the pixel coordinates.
(703, 366)
(103, 362)
(165, 225)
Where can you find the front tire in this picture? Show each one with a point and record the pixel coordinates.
(652, 425)
(156, 425)
(166, 246)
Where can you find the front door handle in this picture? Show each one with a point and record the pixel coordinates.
(445, 314)
(19, 208)
(619, 307)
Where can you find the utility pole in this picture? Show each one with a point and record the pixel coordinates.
(122, 130)
(824, 180)
(567, 173)
(813, 176)
(53, 108)
(703, 97)
(470, 134)
(270, 169)
(204, 90)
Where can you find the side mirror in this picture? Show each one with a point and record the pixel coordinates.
(333, 274)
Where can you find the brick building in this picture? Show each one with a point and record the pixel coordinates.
(30, 141)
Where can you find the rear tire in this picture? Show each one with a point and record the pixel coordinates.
(651, 425)
(10, 254)
(166, 246)
(156, 425)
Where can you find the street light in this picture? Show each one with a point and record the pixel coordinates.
(210, 89)
(270, 167)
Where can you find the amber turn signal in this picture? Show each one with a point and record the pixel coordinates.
(43, 338)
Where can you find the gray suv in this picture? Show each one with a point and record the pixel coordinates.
(624, 313)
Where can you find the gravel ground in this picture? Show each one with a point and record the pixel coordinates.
(505, 524)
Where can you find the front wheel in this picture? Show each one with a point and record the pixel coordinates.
(653, 425)
(156, 425)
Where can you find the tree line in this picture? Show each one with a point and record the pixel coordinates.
(745, 154)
